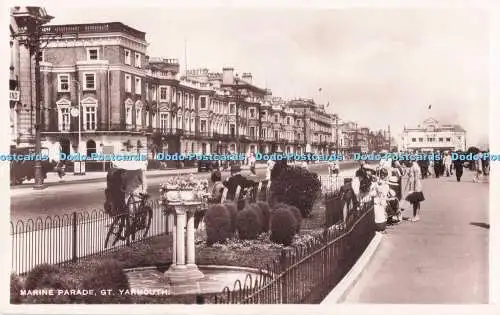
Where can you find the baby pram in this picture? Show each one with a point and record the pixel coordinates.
(394, 215)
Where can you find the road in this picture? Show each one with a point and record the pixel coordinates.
(443, 259)
(77, 197)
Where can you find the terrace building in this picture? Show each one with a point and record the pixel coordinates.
(99, 83)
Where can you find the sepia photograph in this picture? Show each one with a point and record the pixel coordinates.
(248, 155)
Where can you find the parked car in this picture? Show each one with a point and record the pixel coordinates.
(21, 171)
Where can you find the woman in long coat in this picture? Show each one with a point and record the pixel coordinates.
(415, 187)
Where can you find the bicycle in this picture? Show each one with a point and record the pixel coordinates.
(137, 217)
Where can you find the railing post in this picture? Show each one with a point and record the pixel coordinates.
(75, 234)
(284, 278)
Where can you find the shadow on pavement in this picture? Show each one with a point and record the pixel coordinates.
(483, 225)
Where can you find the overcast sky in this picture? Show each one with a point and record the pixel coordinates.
(374, 66)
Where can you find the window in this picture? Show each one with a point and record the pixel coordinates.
(137, 60)
(92, 54)
(63, 115)
(413, 139)
(276, 118)
(164, 121)
(138, 86)
(420, 139)
(64, 119)
(153, 92)
(203, 125)
(203, 102)
(128, 83)
(147, 91)
(263, 115)
(232, 130)
(276, 135)
(288, 120)
(147, 118)
(138, 116)
(128, 112)
(153, 120)
(252, 131)
(264, 133)
(252, 112)
(163, 93)
(127, 57)
(440, 139)
(63, 83)
(448, 139)
(232, 108)
(90, 122)
(89, 81)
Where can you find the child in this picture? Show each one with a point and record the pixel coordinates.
(380, 191)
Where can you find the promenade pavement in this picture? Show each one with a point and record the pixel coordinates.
(443, 259)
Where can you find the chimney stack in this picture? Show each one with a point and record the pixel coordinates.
(227, 76)
(247, 77)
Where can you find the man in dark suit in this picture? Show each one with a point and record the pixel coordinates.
(236, 180)
(459, 167)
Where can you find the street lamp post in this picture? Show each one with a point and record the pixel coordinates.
(30, 21)
(80, 170)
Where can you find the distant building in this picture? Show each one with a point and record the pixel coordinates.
(432, 136)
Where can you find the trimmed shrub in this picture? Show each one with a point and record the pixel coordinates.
(232, 210)
(266, 214)
(283, 227)
(298, 217)
(15, 289)
(218, 224)
(298, 187)
(38, 276)
(106, 275)
(248, 223)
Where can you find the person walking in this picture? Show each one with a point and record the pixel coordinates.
(415, 196)
(479, 168)
(447, 164)
(438, 164)
(459, 167)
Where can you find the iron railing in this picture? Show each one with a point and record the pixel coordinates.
(70, 237)
(306, 273)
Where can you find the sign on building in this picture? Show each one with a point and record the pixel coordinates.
(14, 96)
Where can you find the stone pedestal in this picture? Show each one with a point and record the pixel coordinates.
(183, 268)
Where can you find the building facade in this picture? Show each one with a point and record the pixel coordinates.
(21, 80)
(433, 136)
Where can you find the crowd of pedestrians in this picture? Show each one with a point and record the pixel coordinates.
(396, 186)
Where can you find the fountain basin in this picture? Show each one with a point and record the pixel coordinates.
(214, 281)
